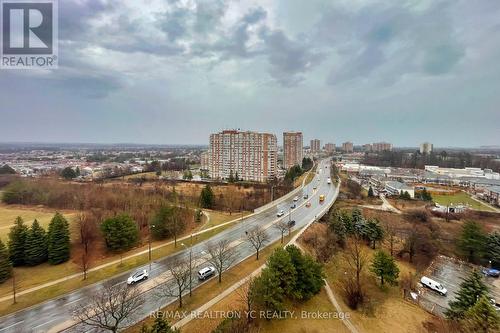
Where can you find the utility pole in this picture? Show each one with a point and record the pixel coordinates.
(14, 286)
(190, 264)
(149, 247)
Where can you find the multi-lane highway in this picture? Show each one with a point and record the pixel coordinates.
(55, 315)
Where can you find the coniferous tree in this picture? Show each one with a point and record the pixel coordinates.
(120, 232)
(471, 241)
(370, 192)
(5, 264)
(161, 325)
(385, 267)
(471, 289)
(492, 250)
(17, 240)
(207, 197)
(281, 263)
(58, 240)
(309, 274)
(35, 250)
(482, 317)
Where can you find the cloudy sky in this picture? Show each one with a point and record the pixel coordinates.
(170, 72)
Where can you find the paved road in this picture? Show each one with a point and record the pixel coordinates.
(55, 315)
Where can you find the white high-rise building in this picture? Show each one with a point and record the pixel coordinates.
(249, 155)
(426, 148)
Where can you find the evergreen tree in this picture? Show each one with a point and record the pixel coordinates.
(471, 241)
(281, 264)
(5, 265)
(339, 228)
(309, 274)
(161, 325)
(231, 177)
(267, 291)
(492, 250)
(120, 233)
(384, 266)
(68, 173)
(17, 240)
(370, 192)
(207, 197)
(35, 250)
(482, 317)
(374, 232)
(166, 224)
(471, 289)
(58, 241)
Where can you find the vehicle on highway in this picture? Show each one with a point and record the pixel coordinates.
(206, 272)
(291, 223)
(280, 213)
(308, 204)
(321, 198)
(137, 277)
(491, 272)
(306, 196)
(314, 188)
(296, 198)
(433, 285)
(293, 206)
(329, 181)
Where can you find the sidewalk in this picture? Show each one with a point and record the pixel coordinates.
(238, 284)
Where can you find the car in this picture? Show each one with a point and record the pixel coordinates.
(206, 272)
(308, 204)
(291, 223)
(314, 188)
(329, 181)
(306, 196)
(280, 213)
(491, 272)
(433, 285)
(293, 206)
(138, 277)
(296, 198)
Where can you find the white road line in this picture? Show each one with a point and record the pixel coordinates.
(19, 322)
(47, 322)
(76, 300)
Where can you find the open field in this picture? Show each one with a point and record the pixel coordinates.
(216, 218)
(9, 213)
(384, 310)
(460, 198)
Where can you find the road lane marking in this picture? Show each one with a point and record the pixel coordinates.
(19, 322)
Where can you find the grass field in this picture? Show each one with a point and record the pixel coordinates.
(217, 218)
(9, 213)
(460, 198)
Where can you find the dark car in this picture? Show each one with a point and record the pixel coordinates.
(291, 223)
(491, 272)
(306, 196)
(293, 206)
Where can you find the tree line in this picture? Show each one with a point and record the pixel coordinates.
(31, 246)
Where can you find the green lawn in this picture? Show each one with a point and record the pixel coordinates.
(460, 198)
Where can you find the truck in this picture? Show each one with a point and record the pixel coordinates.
(321, 198)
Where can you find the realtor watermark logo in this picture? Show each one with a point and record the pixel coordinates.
(29, 34)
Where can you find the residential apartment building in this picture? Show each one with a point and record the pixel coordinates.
(252, 156)
(293, 149)
(330, 147)
(348, 147)
(426, 148)
(205, 160)
(315, 146)
(381, 146)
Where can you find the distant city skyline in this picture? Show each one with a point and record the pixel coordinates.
(404, 72)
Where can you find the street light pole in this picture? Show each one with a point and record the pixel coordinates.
(191, 266)
(149, 247)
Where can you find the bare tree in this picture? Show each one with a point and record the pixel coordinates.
(108, 308)
(257, 236)
(85, 264)
(180, 271)
(246, 296)
(282, 226)
(391, 238)
(222, 256)
(356, 261)
(88, 233)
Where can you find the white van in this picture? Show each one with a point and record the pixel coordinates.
(206, 272)
(431, 284)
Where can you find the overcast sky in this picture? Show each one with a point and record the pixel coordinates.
(171, 72)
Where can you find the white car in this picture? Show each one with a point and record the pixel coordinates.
(434, 285)
(329, 181)
(206, 272)
(296, 198)
(138, 277)
(280, 213)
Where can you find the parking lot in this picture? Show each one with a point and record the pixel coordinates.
(450, 272)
